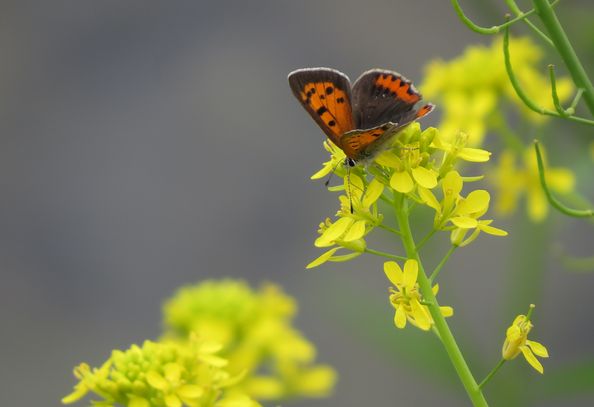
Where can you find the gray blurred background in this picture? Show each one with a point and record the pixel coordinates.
(145, 145)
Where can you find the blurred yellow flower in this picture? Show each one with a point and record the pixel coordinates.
(471, 87)
(259, 341)
(516, 342)
(406, 298)
(512, 181)
(161, 375)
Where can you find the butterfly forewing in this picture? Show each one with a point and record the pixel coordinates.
(381, 96)
(326, 95)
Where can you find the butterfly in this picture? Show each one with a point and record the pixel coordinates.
(361, 119)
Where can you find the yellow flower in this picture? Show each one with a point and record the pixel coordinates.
(512, 181)
(349, 230)
(409, 160)
(259, 341)
(460, 214)
(335, 163)
(516, 342)
(406, 298)
(160, 374)
(471, 87)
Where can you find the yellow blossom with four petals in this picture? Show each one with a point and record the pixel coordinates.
(406, 298)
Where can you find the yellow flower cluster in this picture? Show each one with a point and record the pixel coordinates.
(406, 298)
(470, 88)
(256, 332)
(161, 374)
(416, 162)
(513, 179)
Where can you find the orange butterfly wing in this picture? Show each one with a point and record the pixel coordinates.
(326, 95)
(365, 144)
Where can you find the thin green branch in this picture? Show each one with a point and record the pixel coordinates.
(520, 91)
(563, 112)
(492, 373)
(487, 30)
(578, 95)
(426, 239)
(515, 9)
(384, 254)
(559, 37)
(442, 263)
(441, 326)
(389, 229)
(576, 213)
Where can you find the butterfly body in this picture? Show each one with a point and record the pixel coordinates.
(361, 119)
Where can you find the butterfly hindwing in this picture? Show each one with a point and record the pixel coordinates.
(363, 145)
(381, 96)
(326, 95)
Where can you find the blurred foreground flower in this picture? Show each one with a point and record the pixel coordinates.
(406, 298)
(256, 332)
(161, 374)
(471, 87)
(516, 341)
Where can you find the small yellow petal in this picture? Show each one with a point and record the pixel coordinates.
(372, 194)
(429, 199)
(446, 311)
(538, 348)
(402, 182)
(411, 270)
(476, 202)
(531, 359)
(491, 230)
(335, 231)
(326, 169)
(190, 391)
(356, 231)
(452, 184)
(322, 259)
(400, 318)
(474, 155)
(157, 381)
(425, 177)
(138, 402)
(464, 222)
(420, 315)
(172, 372)
(171, 400)
(394, 273)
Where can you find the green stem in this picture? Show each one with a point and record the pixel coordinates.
(522, 94)
(384, 254)
(574, 66)
(492, 373)
(486, 30)
(441, 264)
(426, 239)
(514, 7)
(474, 392)
(576, 213)
(389, 229)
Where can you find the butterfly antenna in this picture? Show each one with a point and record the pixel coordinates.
(349, 164)
(331, 174)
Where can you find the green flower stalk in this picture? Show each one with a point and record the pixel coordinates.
(419, 168)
